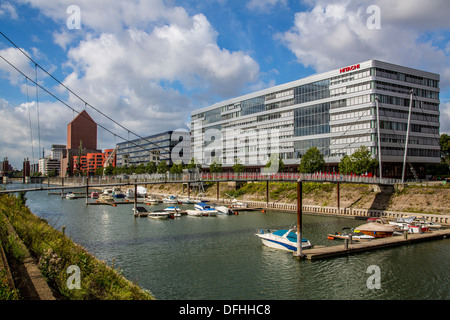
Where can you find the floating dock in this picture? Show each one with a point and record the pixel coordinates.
(380, 243)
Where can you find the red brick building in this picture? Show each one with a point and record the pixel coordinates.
(82, 143)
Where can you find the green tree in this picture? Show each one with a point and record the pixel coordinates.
(312, 161)
(193, 164)
(444, 143)
(276, 160)
(177, 168)
(108, 171)
(215, 166)
(140, 169)
(150, 168)
(162, 167)
(360, 162)
(238, 166)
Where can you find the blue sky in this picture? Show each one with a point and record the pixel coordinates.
(148, 64)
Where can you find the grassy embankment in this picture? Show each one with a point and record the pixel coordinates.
(54, 253)
(414, 198)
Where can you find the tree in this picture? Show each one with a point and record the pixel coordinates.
(140, 169)
(162, 167)
(150, 167)
(193, 164)
(177, 168)
(238, 166)
(360, 162)
(215, 166)
(444, 143)
(108, 171)
(312, 161)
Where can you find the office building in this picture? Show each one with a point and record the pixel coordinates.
(335, 111)
(170, 146)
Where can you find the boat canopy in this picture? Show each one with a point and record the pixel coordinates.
(292, 236)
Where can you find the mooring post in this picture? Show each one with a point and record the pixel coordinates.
(267, 193)
(189, 190)
(217, 191)
(62, 189)
(338, 199)
(299, 217)
(87, 190)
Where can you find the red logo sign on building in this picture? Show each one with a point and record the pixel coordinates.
(351, 68)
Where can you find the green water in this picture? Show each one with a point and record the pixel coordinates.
(220, 258)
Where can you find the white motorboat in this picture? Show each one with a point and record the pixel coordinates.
(205, 209)
(186, 200)
(151, 200)
(196, 213)
(378, 228)
(236, 204)
(71, 196)
(170, 199)
(224, 210)
(357, 236)
(410, 224)
(172, 209)
(107, 191)
(284, 239)
(94, 195)
(159, 214)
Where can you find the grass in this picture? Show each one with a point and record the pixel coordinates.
(55, 253)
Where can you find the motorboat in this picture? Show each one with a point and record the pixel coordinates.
(284, 239)
(355, 235)
(129, 193)
(170, 199)
(379, 228)
(119, 195)
(195, 213)
(94, 195)
(410, 224)
(172, 209)
(236, 204)
(107, 191)
(152, 200)
(159, 214)
(71, 196)
(224, 210)
(186, 200)
(205, 209)
(105, 198)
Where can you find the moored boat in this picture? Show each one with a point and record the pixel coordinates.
(347, 233)
(224, 210)
(236, 204)
(170, 200)
(129, 193)
(205, 209)
(71, 196)
(94, 195)
(284, 239)
(379, 228)
(159, 214)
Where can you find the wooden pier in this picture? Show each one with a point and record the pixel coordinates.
(380, 243)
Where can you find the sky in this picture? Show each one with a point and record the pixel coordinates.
(147, 64)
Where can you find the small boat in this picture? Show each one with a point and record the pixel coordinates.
(196, 213)
(129, 193)
(284, 239)
(205, 209)
(119, 195)
(94, 195)
(159, 214)
(170, 199)
(357, 236)
(414, 224)
(151, 200)
(71, 196)
(107, 191)
(172, 209)
(224, 210)
(236, 204)
(186, 200)
(105, 198)
(379, 228)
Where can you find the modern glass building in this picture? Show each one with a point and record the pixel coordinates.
(170, 146)
(335, 111)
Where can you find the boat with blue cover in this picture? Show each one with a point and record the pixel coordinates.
(202, 209)
(284, 239)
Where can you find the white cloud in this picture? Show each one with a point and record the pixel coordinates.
(8, 10)
(264, 5)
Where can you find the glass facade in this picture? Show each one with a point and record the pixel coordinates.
(335, 112)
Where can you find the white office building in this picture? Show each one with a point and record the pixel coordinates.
(335, 111)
